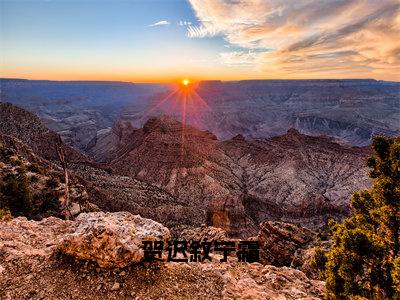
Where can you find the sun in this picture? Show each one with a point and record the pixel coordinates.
(185, 82)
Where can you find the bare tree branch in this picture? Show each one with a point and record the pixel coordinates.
(64, 164)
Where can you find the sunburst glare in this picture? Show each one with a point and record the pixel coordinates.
(182, 103)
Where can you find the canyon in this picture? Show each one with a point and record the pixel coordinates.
(270, 161)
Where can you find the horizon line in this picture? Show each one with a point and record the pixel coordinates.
(205, 80)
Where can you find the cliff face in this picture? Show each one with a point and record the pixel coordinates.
(33, 186)
(182, 161)
(297, 178)
(182, 176)
(237, 184)
(28, 128)
(76, 110)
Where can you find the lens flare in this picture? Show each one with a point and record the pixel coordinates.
(183, 103)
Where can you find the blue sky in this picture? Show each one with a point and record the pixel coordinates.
(200, 39)
(102, 39)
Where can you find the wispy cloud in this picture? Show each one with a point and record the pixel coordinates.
(201, 31)
(240, 58)
(160, 23)
(312, 38)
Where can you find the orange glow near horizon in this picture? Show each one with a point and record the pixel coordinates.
(65, 74)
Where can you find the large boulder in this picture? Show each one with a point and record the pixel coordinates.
(111, 239)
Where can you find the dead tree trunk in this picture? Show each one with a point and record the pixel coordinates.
(64, 165)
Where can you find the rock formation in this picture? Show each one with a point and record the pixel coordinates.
(351, 111)
(28, 128)
(112, 192)
(237, 184)
(181, 176)
(203, 233)
(31, 268)
(111, 239)
(280, 241)
(76, 110)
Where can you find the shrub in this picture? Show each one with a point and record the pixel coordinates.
(318, 261)
(52, 183)
(16, 195)
(5, 214)
(35, 168)
(363, 262)
(50, 202)
(34, 179)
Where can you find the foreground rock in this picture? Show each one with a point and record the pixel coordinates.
(30, 270)
(21, 239)
(111, 239)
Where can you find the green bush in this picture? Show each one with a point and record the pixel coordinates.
(318, 261)
(363, 262)
(16, 195)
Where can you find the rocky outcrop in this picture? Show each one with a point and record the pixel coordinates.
(269, 282)
(29, 268)
(280, 242)
(112, 192)
(352, 111)
(111, 143)
(186, 163)
(22, 240)
(286, 244)
(111, 239)
(298, 178)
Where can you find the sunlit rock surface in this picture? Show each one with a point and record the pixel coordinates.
(111, 239)
(30, 268)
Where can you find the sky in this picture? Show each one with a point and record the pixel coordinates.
(165, 41)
